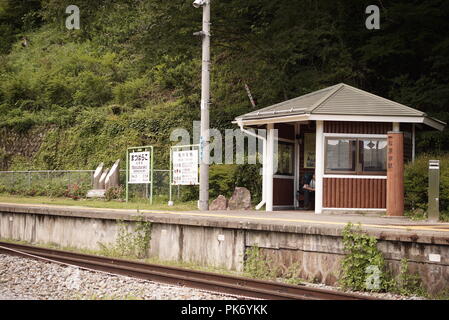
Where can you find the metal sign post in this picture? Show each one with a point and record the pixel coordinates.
(433, 210)
(139, 168)
(183, 166)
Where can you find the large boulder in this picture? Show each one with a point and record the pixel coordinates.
(240, 200)
(221, 203)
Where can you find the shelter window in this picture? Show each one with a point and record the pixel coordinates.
(285, 156)
(340, 155)
(373, 155)
(356, 156)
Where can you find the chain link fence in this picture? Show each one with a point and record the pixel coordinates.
(29, 179)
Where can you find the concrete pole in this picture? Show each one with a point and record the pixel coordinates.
(205, 96)
(319, 166)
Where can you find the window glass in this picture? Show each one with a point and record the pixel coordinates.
(285, 158)
(373, 155)
(340, 155)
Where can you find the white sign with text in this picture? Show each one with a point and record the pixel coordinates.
(185, 167)
(139, 167)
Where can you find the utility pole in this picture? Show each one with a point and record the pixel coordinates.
(205, 97)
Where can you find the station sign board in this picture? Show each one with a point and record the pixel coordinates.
(139, 167)
(185, 167)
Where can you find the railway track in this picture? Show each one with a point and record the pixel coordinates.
(241, 286)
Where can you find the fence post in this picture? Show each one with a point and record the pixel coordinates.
(29, 179)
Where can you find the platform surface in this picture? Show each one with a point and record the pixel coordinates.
(228, 218)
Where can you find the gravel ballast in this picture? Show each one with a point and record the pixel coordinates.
(24, 279)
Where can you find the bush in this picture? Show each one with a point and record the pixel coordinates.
(114, 193)
(416, 185)
(76, 191)
(363, 268)
(248, 176)
(53, 190)
(223, 178)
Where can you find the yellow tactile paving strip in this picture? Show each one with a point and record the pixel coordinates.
(437, 227)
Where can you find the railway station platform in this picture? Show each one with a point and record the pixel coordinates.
(221, 238)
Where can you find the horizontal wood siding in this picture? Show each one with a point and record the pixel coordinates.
(357, 127)
(283, 192)
(354, 193)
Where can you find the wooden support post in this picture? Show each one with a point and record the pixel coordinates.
(395, 174)
(269, 168)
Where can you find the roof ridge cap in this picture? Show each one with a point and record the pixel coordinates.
(267, 108)
(338, 87)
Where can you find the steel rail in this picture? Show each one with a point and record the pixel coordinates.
(227, 284)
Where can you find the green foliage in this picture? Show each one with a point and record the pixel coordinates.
(17, 16)
(416, 182)
(408, 284)
(257, 265)
(291, 274)
(223, 178)
(248, 176)
(114, 193)
(132, 72)
(364, 268)
(52, 189)
(133, 240)
(362, 255)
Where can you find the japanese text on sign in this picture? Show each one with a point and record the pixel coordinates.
(185, 167)
(139, 167)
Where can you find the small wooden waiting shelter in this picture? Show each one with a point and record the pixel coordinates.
(354, 142)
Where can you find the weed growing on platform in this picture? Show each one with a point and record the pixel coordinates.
(131, 242)
(257, 265)
(408, 284)
(291, 274)
(363, 268)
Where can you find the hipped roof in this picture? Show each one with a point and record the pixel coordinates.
(340, 100)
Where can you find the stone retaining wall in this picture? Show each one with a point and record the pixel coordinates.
(317, 250)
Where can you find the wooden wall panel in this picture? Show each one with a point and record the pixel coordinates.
(408, 141)
(283, 192)
(354, 193)
(357, 127)
(285, 131)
